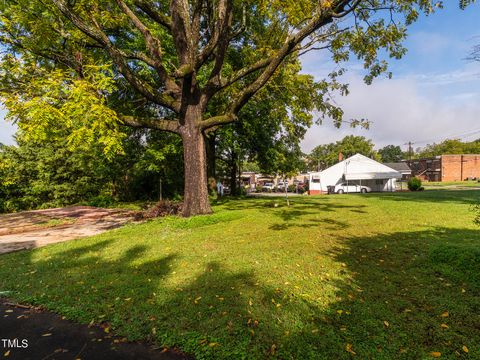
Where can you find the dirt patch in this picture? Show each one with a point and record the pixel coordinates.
(30, 229)
(31, 333)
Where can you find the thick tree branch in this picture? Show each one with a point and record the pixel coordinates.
(322, 18)
(240, 74)
(118, 58)
(220, 31)
(216, 121)
(153, 43)
(153, 46)
(182, 34)
(154, 14)
(157, 124)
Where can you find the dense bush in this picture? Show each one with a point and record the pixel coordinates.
(102, 201)
(415, 184)
(48, 173)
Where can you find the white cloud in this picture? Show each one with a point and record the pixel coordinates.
(401, 110)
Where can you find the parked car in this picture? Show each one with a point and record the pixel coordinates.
(268, 187)
(351, 188)
(281, 185)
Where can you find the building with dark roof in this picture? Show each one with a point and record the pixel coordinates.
(447, 167)
(402, 168)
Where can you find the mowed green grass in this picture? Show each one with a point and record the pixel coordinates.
(380, 276)
(451, 184)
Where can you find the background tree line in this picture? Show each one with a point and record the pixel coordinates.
(326, 155)
(49, 173)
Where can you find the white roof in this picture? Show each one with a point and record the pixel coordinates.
(360, 167)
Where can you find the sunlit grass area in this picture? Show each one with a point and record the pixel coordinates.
(471, 183)
(384, 276)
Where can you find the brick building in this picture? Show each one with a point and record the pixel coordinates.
(447, 167)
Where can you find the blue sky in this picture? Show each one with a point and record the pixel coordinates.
(434, 94)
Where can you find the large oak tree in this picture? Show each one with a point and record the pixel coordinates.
(161, 64)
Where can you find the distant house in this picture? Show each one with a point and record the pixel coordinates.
(402, 168)
(447, 167)
(358, 170)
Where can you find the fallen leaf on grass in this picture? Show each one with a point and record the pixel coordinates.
(272, 349)
(465, 349)
(349, 349)
(445, 314)
(6, 353)
(444, 326)
(47, 334)
(386, 323)
(436, 354)
(212, 344)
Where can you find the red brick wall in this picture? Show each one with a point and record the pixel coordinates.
(452, 169)
(316, 192)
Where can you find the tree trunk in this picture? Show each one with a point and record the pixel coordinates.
(211, 140)
(195, 197)
(233, 174)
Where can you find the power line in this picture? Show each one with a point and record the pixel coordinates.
(461, 135)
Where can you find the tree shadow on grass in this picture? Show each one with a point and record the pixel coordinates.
(433, 196)
(299, 209)
(329, 224)
(389, 299)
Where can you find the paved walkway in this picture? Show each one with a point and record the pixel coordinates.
(28, 333)
(30, 229)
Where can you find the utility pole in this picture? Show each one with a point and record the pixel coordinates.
(410, 150)
(160, 189)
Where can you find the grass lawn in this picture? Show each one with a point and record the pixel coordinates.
(382, 276)
(451, 184)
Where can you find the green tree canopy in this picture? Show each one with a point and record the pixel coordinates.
(391, 153)
(450, 146)
(324, 156)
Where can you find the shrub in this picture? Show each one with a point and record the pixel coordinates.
(292, 188)
(415, 184)
(101, 201)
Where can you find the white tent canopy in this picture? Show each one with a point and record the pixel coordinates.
(359, 167)
(356, 168)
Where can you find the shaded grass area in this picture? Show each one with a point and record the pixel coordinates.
(379, 275)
